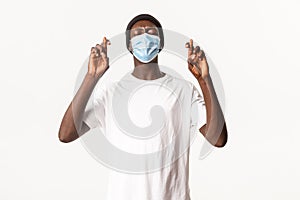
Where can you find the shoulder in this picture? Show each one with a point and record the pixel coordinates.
(181, 82)
(101, 90)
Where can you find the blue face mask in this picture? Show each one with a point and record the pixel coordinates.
(145, 47)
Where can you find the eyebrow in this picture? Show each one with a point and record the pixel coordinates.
(145, 27)
(131, 30)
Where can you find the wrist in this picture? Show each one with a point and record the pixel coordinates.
(90, 78)
(203, 80)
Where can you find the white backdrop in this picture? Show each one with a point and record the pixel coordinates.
(254, 45)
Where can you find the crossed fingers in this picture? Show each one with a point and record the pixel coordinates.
(100, 50)
(194, 53)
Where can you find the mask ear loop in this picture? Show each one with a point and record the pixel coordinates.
(130, 43)
(130, 46)
(160, 47)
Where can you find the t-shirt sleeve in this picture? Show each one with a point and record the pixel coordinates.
(94, 114)
(198, 109)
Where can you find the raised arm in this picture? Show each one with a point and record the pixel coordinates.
(72, 126)
(214, 130)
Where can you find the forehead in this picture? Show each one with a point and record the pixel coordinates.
(143, 23)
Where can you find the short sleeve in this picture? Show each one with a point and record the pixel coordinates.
(198, 109)
(94, 114)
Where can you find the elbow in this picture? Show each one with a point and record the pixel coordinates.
(63, 139)
(65, 136)
(220, 144)
(222, 141)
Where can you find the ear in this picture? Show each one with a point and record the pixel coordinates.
(130, 46)
(160, 45)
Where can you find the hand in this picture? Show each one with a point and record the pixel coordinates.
(197, 62)
(98, 60)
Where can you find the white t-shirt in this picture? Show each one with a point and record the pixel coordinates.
(143, 117)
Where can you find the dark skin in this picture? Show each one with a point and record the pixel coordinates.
(214, 130)
(146, 71)
(72, 120)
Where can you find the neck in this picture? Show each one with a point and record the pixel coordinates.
(147, 71)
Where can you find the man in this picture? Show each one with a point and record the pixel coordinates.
(170, 182)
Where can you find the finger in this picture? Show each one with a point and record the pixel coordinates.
(101, 48)
(187, 45)
(92, 56)
(98, 47)
(196, 50)
(93, 51)
(201, 55)
(104, 42)
(191, 48)
(191, 42)
(108, 42)
(105, 62)
(103, 55)
(192, 60)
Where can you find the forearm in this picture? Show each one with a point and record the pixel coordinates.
(215, 130)
(71, 125)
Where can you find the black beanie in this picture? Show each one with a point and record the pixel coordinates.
(144, 17)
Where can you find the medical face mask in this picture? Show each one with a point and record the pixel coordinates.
(145, 47)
